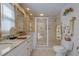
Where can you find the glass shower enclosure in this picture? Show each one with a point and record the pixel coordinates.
(41, 30)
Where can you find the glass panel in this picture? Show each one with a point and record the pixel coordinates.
(42, 31)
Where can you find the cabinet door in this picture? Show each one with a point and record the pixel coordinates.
(28, 51)
(28, 48)
(21, 50)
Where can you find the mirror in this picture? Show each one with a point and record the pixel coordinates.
(58, 32)
(19, 21)
(72, 21)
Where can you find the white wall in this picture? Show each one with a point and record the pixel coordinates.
(65, 20)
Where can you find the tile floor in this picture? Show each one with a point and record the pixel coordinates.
(44, 50)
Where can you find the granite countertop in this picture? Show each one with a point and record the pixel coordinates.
(7, 45)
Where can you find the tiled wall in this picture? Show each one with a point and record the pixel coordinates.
(42, 30)
(51, 31)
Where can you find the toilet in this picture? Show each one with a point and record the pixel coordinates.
(64, 48)
(60, 50)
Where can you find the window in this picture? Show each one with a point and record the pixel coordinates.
(7, 18)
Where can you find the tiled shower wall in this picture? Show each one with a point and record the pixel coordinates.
(42, 31)
(51, 31)
(52, 23)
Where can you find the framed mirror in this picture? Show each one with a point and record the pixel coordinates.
(19, 20)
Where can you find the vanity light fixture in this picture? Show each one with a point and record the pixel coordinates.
(31, 14)
(41, 14)
(27, 9)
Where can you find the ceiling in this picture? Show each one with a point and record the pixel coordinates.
(48, 9)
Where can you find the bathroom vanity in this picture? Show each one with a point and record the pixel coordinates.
(16, 47)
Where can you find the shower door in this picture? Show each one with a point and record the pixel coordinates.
(41, 31)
